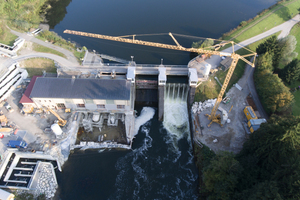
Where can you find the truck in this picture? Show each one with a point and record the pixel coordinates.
(249, 113)
(17, 144)
(254, 124)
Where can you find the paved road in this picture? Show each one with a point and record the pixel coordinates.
(60, 60)
(70, 56)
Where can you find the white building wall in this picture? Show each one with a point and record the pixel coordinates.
(91, 105)
(11, 82)
(5, 79)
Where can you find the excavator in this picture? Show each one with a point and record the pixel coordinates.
(207, 50)
(61, 122)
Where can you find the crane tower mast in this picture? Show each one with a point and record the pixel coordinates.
(235, 58)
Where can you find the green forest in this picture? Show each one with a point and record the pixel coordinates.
(268, 167)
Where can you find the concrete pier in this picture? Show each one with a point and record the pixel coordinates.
(161, 102)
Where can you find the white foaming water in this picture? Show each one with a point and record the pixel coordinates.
(146, 114)
(143, 172)
(176, 120)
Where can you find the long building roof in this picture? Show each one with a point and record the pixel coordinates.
(73, 88)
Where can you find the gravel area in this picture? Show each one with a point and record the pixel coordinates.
(231, 136)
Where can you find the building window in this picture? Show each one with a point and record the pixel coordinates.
(61, 106)
(120, 106)
(80, 105)
(100, 106)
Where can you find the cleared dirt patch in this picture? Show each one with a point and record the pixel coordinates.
(36, 66)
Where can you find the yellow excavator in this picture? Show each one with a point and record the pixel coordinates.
(61, 122)
(207, 50)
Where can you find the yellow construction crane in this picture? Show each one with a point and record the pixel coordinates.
(235, 58)
(61, 122)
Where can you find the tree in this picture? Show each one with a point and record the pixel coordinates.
(276, 146)
(291, 72)
(203, 44)
(221, 176)
(271, 45)
(275, 96)
(265, 62)
(268, 46)
(288, 46)
(265, 190)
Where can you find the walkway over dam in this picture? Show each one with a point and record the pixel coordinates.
(140, 69)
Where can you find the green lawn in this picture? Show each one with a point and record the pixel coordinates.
(296, 32)
(6, 37)
(36, 66)
(40, 48)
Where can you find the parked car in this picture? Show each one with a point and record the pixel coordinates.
(17, 144)
(8, 107)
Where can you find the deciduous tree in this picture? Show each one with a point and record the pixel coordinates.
(287, 46)
(221, 176)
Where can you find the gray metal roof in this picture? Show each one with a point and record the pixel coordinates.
(69, 88)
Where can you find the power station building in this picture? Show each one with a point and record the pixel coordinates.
(103, 95)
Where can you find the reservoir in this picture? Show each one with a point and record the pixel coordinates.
(160, 164)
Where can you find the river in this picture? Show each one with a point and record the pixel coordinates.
(160, 164)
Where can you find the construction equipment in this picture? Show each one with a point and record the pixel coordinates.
(249, 113)
(207, 50)
(254, 124)
(226, 100)
(61, 122)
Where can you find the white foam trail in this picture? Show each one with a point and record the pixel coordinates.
(176, 118)
(147, 113)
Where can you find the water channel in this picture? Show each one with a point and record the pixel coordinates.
(160, 166)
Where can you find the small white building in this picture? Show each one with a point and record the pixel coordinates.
(162, 76)
(130, 76)
(102, 95)
(10, 78)
(193, 77)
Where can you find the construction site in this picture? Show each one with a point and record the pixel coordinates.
(92, 106)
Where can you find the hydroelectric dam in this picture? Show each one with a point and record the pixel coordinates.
(109, 121)
(157, 126)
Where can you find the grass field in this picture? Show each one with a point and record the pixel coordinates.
(287, 10)
(6, 37)
(40, 48)
(66, 45)
(36, 66)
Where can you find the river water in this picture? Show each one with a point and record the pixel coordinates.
(160, 164)
(201, 18)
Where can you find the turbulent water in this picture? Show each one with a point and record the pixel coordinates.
(161, 165)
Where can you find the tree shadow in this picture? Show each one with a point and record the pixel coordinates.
(284, 13)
